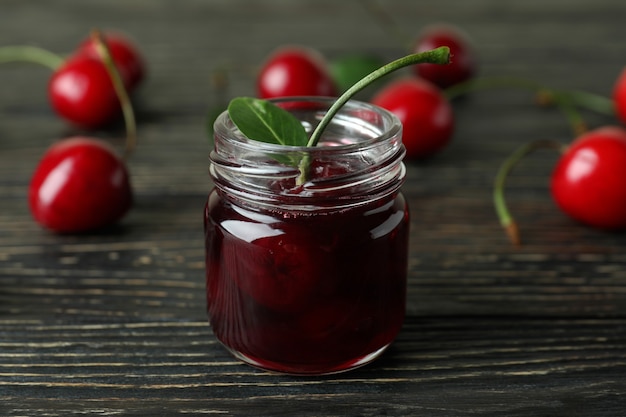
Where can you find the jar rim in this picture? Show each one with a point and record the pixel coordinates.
(224, 126)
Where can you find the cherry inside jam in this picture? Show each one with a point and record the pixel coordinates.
(306, 292)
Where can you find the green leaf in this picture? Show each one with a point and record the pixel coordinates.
(264, 121)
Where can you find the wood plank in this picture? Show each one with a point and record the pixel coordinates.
(114, 323)
(488, 365)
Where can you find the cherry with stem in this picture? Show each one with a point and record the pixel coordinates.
(81, 184)
(81, 90)
(587, 182)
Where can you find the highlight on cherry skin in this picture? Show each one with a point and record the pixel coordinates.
(589, 180)
(81, 91)
(79, 185)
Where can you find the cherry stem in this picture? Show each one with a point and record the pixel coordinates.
(506, 219)
(591, 101)
(32, 54)
(567, 101)
(439, 55)
(127, 109)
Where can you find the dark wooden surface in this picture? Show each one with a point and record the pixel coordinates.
(114, 323)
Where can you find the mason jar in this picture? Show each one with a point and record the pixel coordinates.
(308, 276)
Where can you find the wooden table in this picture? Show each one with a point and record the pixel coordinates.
(114, 323)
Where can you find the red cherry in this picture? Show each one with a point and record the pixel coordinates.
(427, 117)
(589, 180)
(463, 62)
(125, 54)
(81, 91)
(295, 71)
(619, 96)
(79, 185)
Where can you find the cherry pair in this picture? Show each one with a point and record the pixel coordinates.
(589, 180)
(81, 184)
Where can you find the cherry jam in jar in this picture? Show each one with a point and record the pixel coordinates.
(308, 276)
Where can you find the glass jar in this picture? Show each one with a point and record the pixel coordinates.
(308, 277)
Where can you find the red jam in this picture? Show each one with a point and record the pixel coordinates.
(308, 279)
(306, 293)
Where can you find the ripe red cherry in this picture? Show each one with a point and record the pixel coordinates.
(619, 96)
(81, 91)
(463, 61)
(295, 71)
(79, 185)
(427, 117)
(125, 54)
(589, 180)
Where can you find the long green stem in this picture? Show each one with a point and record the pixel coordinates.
(506, 219)
(566, 101)
(439, 55)
(30, 54)
(127, 108)
(591, 101)
(584, 99)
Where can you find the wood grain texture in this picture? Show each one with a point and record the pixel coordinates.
(114, 323)
(438, 366)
